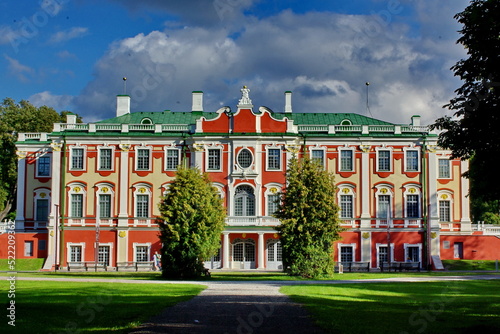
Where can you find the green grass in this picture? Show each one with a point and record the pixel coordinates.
(431, 307)
(469, 265)
(74, 307)
(23, 264)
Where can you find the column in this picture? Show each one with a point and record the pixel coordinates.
(21, 191)
(225, 250)
(261, 251)
(464, 199)
(123, 190)
(365, 186)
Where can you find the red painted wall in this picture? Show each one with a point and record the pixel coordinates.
(475, 247)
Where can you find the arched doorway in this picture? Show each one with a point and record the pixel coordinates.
(243, 254)
(274, 258)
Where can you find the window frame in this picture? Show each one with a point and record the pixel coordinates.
(352, 246)
(322, 160)
(448, 168)
(138, 159)
(343, 159)
(416, 158)
(209, 159)
(388, 159)
(81, 159)
(169, 159)
(273, 160)
(39, 166)
(148, 251)
(249, 159)
(100, 158)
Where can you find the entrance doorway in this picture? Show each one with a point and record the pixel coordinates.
(243, 254)
(274, 258)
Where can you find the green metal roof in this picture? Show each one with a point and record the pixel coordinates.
(160, 117)
(329, 118)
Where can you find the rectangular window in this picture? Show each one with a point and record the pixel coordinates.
(346, 254)
(272, 204)
(143, 159)
(42, 210)
(412, 207)
(105, 158)
(346, 206)
(172, 159)
(104, 206)
(383, 206)
(444, 169)
(142, 206)
(412, 161)
(383, 254)
(103, 256)
(141, 253)
(273, 159)
(444, 211)
(75, 253)
(346, 161)
(318, 155)
(28, 248)
(384, 161)
(77, 158)
(43, 166)
(214, 159)
(77, 205)
(413, 254)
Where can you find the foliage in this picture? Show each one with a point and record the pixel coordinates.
(16, 118)
(309, 219)
(475, 128)
(192, 219)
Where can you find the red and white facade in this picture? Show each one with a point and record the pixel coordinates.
(90, 191)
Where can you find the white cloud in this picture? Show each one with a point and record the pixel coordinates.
(20, 71)
(66, 35)
(46, 98)
(324, 58)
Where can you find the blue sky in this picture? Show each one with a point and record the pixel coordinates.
(73, 54)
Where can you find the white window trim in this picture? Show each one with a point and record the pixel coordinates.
(280, 149)
(147, 244)
(101, 187)
(419, 245)
(84, 158)
(252, 164)
(269, 192)
(347, 189)
(391, 159)
(221, 157)
(317, 147)
(346, 148)
(99, 148)
(440, 197)
(147, 191)
(353, 246)
(50, 164)
(83, 191)
(384, 189)
(150, 162)
(412, 148)
(417, 191)
(220, 189)
(38, 196)
(450, 168)
(179, 157)
(391, 252)
(110, 245)
(68, 250)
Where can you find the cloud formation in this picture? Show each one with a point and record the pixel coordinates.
(69, 34)
(324, 58)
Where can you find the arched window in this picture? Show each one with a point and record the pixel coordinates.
(244, 201)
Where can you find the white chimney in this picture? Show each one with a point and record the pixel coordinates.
(70, 118)
(415, 120)
(122, 105)
(197, 101)
(288, 101)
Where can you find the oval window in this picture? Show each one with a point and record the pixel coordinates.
(245, 158)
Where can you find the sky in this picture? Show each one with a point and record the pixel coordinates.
(73, 55)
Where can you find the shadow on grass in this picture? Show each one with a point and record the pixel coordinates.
(431, 307)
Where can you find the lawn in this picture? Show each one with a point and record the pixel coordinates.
(431, 307)
(74, 307)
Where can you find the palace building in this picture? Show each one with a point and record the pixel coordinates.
(90, 192)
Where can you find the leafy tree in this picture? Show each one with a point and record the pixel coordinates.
(192, 220)
(309, 219)
(15, 118)
(474, 130)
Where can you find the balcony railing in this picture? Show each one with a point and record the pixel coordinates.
(252, 221)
